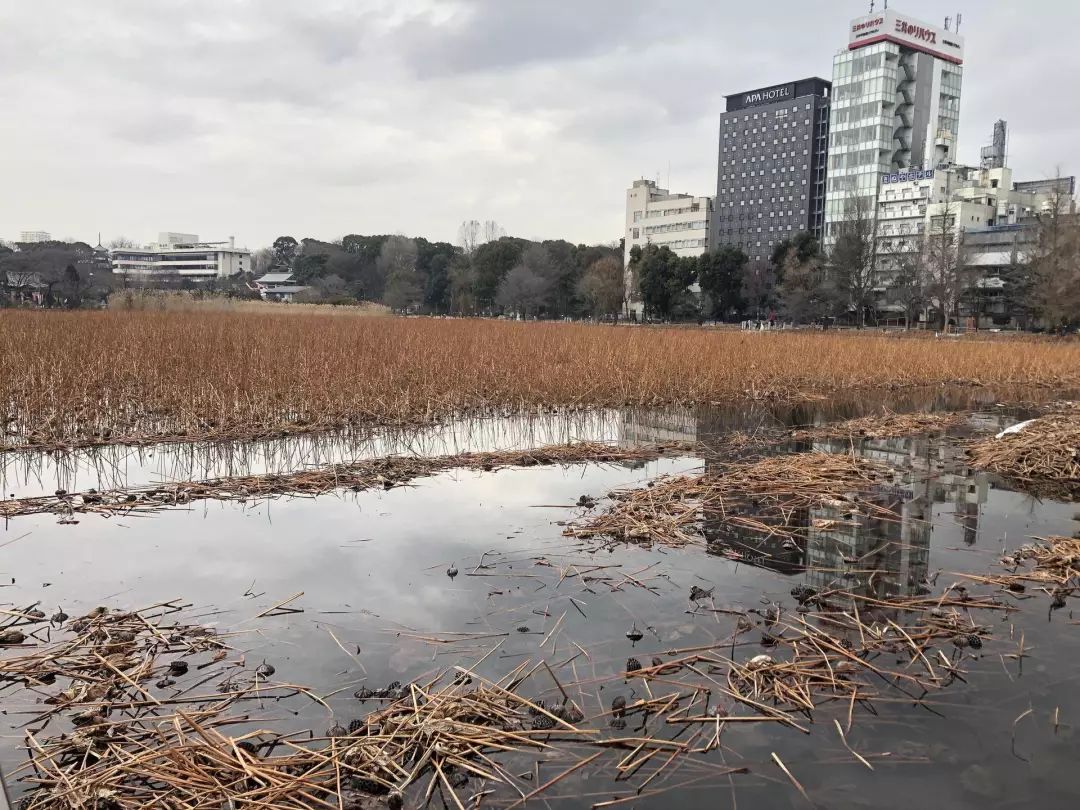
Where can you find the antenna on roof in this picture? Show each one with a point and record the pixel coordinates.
(871, 6)
(959, 17)
(947, 19)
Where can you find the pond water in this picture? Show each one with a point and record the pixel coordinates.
(376, 596)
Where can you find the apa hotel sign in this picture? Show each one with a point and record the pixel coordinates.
(888, 26)
(758, 98)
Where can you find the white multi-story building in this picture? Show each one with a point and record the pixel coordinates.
(35, 236)
(182, 254)
(988, 214)
(895, 107)
(655, 215)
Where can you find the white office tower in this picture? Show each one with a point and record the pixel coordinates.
(895, 107)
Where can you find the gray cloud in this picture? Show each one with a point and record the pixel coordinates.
(256, 117)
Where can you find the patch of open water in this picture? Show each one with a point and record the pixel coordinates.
(372, 568)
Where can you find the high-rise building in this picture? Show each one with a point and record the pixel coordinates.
(895, 107)
(771, 170)
(35, 236)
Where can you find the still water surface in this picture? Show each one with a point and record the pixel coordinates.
(372, 568)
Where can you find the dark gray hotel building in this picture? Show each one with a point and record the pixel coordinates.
(771, 179)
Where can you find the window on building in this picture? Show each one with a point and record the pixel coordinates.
(636, 233)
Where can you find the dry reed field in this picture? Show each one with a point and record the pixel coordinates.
(71, 378)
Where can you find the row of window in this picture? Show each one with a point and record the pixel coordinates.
(664, 212)
(785, 169)
(679, 244)
(771, 229)
(677, 226)
(761, 201)
(754, 130)
(730, 192)
(164, 257)
(743, 146)
(764, 116)
(733, 149)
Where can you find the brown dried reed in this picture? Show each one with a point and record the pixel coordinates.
(83, 378)
(1043, 456)
(765, 496)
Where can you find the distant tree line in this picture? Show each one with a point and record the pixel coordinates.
(53, 274)
(489, 273)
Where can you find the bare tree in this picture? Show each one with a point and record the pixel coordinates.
(910, 278)
(469, 235)
(121, 242)
(603, 287)
(397, 264)
(261, 261)
(522, 291)
(854, 254)
(492, 231)
(944, 263)
(1055, 261)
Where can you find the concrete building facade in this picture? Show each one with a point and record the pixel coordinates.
(771, 167)
(183, 255)
(656, 216)
(895, 107)
(35, 236)
(991, 218)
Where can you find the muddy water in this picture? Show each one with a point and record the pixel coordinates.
(372, 568)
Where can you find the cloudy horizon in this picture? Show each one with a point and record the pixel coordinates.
(256, 119)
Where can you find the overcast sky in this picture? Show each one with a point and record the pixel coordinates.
(319, 118)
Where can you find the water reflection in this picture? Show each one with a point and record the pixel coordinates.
(118, 467)
(26, 473)
(878, 541)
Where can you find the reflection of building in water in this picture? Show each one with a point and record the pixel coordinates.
(704, 424)
(854, 544)
(649, 426)
(936, 471)
(891, 556)
(880, 542)
(764, 548)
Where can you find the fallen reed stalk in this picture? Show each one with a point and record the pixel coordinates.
(124, 727)
(767, 495)
(1050, 564)
(144, 708)
(883, 426)
(1042, 455)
